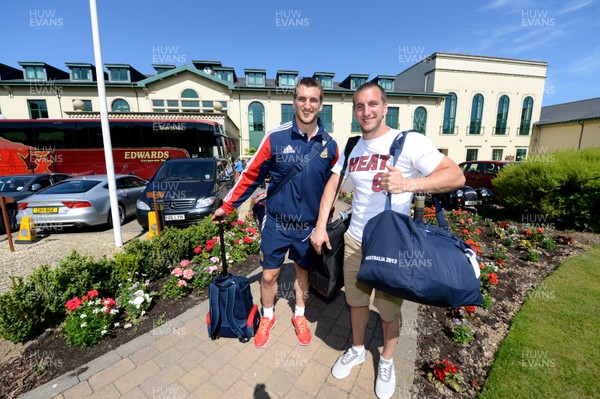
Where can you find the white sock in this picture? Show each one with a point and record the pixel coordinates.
(381, 359)
(299, 311)
(268, 312)
(359, 349)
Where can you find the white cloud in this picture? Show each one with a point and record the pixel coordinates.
(573, 6)
(589, 65)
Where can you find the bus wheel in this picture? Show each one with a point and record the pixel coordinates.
(121, 215)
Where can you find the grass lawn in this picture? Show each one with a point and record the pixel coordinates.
(552, 348)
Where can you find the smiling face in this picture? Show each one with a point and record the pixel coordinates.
(307, 104)
(370, 110)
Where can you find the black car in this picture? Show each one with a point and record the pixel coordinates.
(19, 187)
(188, 190)
(464, 197)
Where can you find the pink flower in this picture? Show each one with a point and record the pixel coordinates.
(108, 302)
(197, 250)
(247, 240)
(240, 222)
(182, 283)
(236, 241)
(252, 230)
(188, 274)
(92, 294)
(470, 220)
(73, 304)
(211, 269)
(184, 263)
(177, 272)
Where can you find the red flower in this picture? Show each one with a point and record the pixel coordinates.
(540, 230)
(85, 298)
(528, 231)
(470, 309)
(500, 261)
(461, 221)
(108, 302)
(252, 230)
(92, 294)
(481, 266)
(236, 242)
(494, 278)
(477, 231)
(247, 240)
(73, 304)
(240, 222)
(470, 220)
(198, 249)
(440, 374)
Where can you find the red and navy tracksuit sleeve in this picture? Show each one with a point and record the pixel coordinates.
(256, 171)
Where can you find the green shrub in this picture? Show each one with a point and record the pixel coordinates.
(20, 313)
(563, 186)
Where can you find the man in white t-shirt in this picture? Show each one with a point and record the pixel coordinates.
(420, 168)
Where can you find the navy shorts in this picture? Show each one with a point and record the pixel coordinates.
(281, 234)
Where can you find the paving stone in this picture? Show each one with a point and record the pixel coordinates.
(166, 342)
(135, 377)
(111, 374)
(106, 392)
(258, 374)
(220, 358)
(194, 378)
(143, 355)
(280, 382)
(206, 390)
(100, 363)
(247, 357)
(331, 391)
(189, 360)
(167, 358)
(272, 352)
(167, 391)
(225, 377)
(135, 345)
(80, 390)
(312, 378)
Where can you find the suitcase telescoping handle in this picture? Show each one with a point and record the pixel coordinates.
(221, 223)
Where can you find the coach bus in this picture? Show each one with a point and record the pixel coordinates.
(75, 146)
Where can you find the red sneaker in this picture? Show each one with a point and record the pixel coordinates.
(302, 331)
(261, 338)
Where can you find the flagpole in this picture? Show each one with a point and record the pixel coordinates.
(110, 167)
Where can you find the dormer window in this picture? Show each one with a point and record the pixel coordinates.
(119, 74)
(35, 72)
(356, 82)
(225, 75)
(255, 77)
(386, 84)
(326, 81)
(287, 80)
(81, 73)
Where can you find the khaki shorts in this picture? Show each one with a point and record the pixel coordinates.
(359, 294)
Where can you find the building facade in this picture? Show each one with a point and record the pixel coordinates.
(472, 107)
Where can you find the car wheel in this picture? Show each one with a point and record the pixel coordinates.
(121, 215)
(12, 219)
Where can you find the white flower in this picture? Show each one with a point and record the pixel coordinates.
(83, 324)
(96, 310)
(139, 293)
(137, 301)
(114, 311)
(147, 297)
(83, 315)
(103, 332)
(116, 324)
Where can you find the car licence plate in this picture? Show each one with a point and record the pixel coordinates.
(45, 210)
(472, 202)
(174, 217)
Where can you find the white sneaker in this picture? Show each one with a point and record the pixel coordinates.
(386, 380)
(343, 366)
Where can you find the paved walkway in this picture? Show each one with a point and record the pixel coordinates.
(178, 360)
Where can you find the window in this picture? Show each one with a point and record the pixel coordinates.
(81, 73)
(87, 105)
(35, 73)
(356, 82)
(497, 154)
(391, 119)
(287, 80)
(287, 113)
(326, 81)
(476, 114)
(526, 117)
(37, 109)
(521, 154)
(355, 127)
(256, 123)
(225, 75)
(502, 115)
(255, 79)
(119, 75)
(449, 114)
(120, 105)
(386, 84)
(326, 116)
(420, 120)
(471, 154)
(189, 93)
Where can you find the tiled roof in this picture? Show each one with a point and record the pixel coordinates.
(569, 112)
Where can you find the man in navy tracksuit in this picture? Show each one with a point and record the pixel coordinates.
(292, 212)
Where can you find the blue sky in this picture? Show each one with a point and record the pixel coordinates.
(377, 38)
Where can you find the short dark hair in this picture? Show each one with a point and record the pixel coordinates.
(368, 85)
(309, 82)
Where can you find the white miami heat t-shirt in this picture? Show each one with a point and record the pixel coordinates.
(367, 163)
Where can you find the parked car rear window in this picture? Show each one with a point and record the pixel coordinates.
(72, 187)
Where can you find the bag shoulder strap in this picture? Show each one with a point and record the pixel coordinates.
(316, 149)
(229, 308)
(350, 144)
(395, 150)
(215, 314)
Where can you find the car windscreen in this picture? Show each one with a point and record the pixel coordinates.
(192, 170)
(72, 187)
(10, 184)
